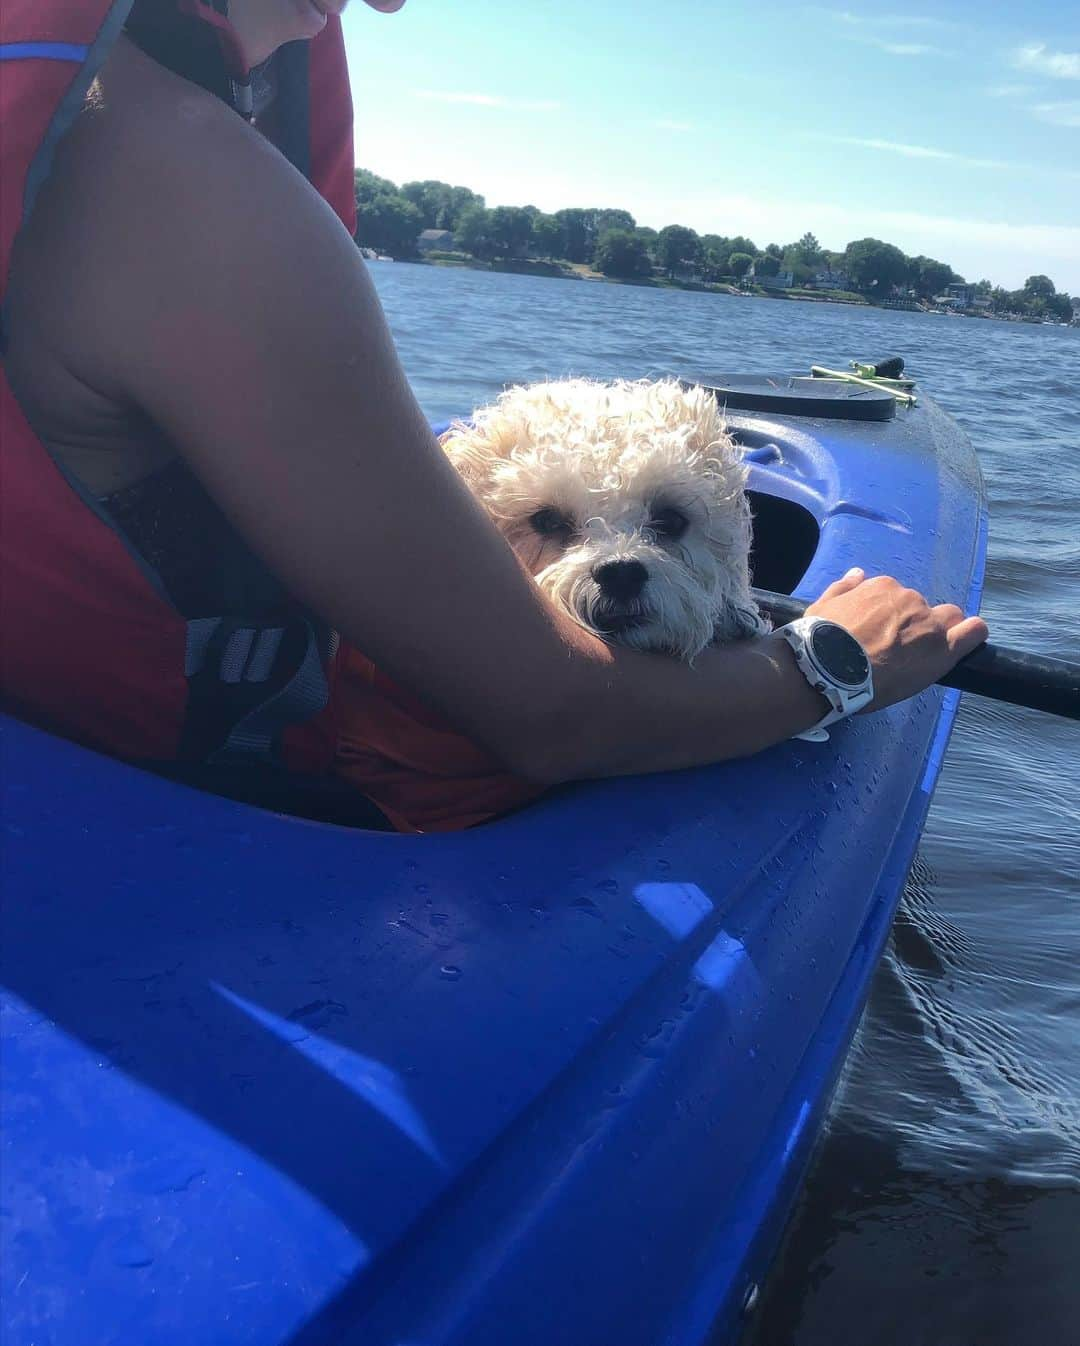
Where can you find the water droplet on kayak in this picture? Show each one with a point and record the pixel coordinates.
(608, 886)
(423, 888)
(438, 918)
(449, 972)
(589, 907)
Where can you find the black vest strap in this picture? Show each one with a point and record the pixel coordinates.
(256, 660)
(181, 43)
(191, 49)
(293, 105)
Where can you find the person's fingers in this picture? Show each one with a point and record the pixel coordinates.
(949, 613)
(845, 583)
(966, 635)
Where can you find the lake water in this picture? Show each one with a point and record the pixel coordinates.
(944, 1205)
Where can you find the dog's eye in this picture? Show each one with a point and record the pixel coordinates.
(549, 522)
(668, 523)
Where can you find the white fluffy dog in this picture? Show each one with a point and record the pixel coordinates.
(627, 503)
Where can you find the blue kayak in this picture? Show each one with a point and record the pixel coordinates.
(556, 1080)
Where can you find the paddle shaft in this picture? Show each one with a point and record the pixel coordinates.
(1032, 680)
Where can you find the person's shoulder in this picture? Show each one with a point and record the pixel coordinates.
(163, 200)
(163, 136)
(176, 198)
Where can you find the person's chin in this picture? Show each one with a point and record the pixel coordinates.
(313, 17)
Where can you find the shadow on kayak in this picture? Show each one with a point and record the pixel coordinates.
(257, 1029)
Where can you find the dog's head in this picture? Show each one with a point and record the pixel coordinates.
(626, 501)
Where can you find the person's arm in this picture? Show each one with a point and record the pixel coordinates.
(240, 317)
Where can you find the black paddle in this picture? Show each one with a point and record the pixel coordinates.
(1032, 680)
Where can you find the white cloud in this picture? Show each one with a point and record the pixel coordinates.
(906, 48)
(1060, 114)
(968, 161)
(1009, 90)
(867, 29)
(488, 100)
(894, 147)
(882, 20)
(895, 48)
(1057, 64)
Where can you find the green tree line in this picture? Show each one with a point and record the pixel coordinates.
(390, 218)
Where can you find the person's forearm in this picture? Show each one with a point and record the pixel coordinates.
(643, 712)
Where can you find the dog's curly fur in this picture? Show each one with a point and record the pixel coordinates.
(626, 501)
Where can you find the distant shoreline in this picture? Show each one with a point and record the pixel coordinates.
(433, 221)
(582, 272)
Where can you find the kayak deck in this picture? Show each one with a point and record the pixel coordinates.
(270, 1081)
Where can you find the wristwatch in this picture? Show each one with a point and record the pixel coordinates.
(834, 663)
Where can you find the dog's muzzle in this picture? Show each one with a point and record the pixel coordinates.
(621, 581)
(618, 609)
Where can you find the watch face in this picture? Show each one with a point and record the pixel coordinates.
(839, 654)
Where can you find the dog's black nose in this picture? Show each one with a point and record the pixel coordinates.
(621, 581)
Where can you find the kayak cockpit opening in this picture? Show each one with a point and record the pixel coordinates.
(785, 539)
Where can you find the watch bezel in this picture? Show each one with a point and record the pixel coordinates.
(811, 644)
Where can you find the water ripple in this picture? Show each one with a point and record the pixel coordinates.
(953, 1157)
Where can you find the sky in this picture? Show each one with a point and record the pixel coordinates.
(950, 129)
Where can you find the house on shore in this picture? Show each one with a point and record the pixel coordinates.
(783, 280)
(958, 296)
(435, 240)
(902, 297)
(827, 279)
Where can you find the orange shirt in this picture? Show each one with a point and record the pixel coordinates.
(424, 775)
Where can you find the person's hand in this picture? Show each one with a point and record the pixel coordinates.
(909, 643)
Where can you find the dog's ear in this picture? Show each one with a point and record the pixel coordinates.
(471, 452)
(740, 619)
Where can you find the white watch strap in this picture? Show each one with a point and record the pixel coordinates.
(843, 701)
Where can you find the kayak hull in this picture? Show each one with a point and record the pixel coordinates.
(557, 1079)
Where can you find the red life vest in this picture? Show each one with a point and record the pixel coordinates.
(93, 642)
(90, 643)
